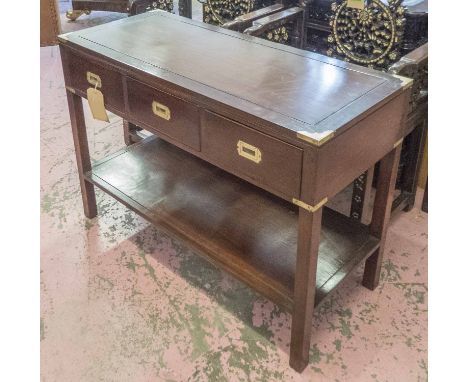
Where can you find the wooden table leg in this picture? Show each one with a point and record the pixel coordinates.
(381, 215)
(83, 161)
(131, 133)
(413, 164)
(424, 206)
(308, 241)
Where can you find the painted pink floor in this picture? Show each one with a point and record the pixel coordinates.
(121, 301)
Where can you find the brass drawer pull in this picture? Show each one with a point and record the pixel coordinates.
(161, 110)
(249, 152)
(94, 79)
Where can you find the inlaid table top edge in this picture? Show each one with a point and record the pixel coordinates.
(316, 134)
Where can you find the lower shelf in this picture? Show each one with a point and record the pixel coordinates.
(237, 226)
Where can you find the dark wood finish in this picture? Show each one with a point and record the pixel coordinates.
(425, 203)
(408, 181)
(381, 215)
(285, 27)
(131, 7)
(222, 12)
(220, 144)
(336, 171)
(80, 140)
(121, 6)
(83, 161)
(184, 122)
(319, 13)
(310, 227)
(241, 23)
(260, 92)
(348, 118)
(231, 220)
(131, 133)
(140, 6)
(414, 65)
(185, 8)
(111, 80)
(413, 47)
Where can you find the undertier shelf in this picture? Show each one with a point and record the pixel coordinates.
(235, 225)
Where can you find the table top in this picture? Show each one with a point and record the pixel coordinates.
(295, 89)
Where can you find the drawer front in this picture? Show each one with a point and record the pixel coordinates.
(84, 74)
(164, 113)
(255, 156)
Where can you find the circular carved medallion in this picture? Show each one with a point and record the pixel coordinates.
(368, 36)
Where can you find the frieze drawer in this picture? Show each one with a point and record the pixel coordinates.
(252, 155)
(164, 113)
(86, 73)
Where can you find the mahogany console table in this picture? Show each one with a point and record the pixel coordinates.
(251, 140)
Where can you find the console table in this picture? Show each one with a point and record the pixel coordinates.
(251, 140)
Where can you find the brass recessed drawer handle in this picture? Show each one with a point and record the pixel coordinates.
(94, 79)
(249, 152)
(161, 110)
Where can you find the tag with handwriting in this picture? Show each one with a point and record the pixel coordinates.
(357, 4)
(96, 104)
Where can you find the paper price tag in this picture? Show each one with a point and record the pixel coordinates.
(357, 4)
(96, 104)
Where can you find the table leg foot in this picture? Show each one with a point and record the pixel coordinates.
(410, 204)
(89, 200)
(298, 364)
(372, 269)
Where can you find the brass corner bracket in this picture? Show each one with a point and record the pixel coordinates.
(308, 207)
(63, 37)
(71, 90)
(398, 143)
(405, 81)
(315, 139)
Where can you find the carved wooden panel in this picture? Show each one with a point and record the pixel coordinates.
(218, 12)
(371, 36)
(165, 5)
(280, 35)
(319, 16)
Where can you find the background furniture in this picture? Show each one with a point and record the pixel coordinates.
(284, 27)
(274, 20)
(426, 198)
(50, 22)
(132, 7)
(412, 15)
(329, 27)
(240, 171)
(423, 181)
(219, 12)
(414, 65)
(308, 26)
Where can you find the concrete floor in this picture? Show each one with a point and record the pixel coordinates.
(121, 301)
